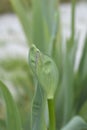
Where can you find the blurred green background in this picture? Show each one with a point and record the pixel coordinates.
(5, 5)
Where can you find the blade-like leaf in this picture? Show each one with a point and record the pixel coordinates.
(77, 123)
(13, 118)
(59, 107)
(56, 44)
(73, 51)
(83, 61)
(38, 27)
(73, 22)
(82, 96)
(2, 125)
(81, 85)
(38, 33)
(43, 23)
(24, 17)
(38, 109)
(83, 111)
(67, 83)
(49, 10)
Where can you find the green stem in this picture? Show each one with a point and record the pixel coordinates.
(52, 124)
(73, 20)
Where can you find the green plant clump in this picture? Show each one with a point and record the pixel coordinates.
(57, 85)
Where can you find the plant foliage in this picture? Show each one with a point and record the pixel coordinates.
(51, 62)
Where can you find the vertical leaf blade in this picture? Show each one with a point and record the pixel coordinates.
(13, 118)
(43, 23)
(24, 17)
(38, 109)
(68, 80)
